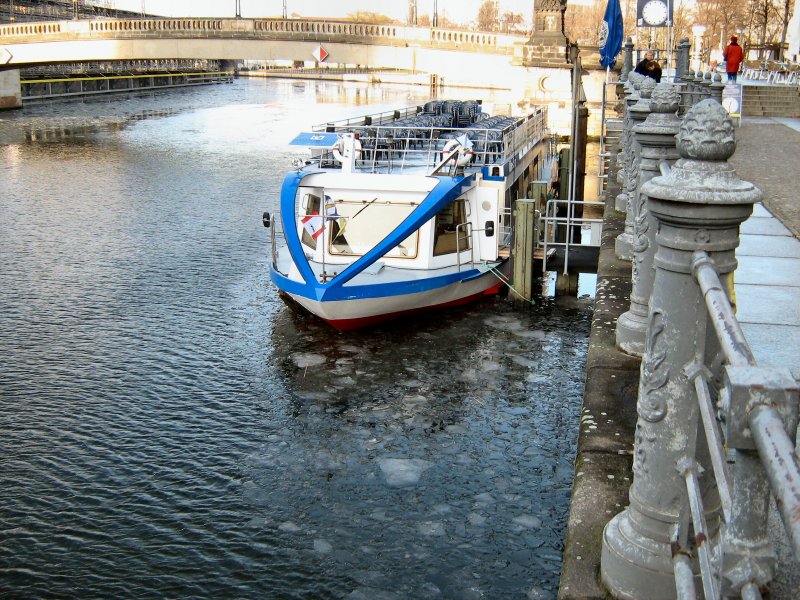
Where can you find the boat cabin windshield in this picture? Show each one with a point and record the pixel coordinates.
(354, 227)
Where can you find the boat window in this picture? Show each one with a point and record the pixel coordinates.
(447, 219)
(311, 221)
(357, 226)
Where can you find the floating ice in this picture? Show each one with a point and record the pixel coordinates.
(457, 428)
(307, 359)
(401, 472)
(484, 498)
(431, 529)
(476, 520)
(288, 527)
(530, 334)
(322, 546)
(528, 521)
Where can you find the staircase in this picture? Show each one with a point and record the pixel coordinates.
(771, 101)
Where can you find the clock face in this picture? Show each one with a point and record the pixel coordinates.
(731, 105)
(655, 12)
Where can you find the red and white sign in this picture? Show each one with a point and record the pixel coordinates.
(313, 224)
(320, 53)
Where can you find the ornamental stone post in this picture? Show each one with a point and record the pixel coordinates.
(686, 91)
(698, 206)
(627, 66)
(698, 96)
(656, 137)
(707, 80)
(623, 158)
(623, 245)
(716, 87)
(682, 59)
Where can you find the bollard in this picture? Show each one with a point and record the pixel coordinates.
(623, 246)
(656, 137)
(699, 206)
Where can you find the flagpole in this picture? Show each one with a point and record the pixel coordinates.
(669, 40)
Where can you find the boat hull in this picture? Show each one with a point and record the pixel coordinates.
(346, 315)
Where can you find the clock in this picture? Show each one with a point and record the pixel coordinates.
(731, 105)
(655, 12)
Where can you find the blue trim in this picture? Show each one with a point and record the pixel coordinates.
(487, 170)
(323, 293)
(447, 189)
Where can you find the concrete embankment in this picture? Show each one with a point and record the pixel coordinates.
(604, 458)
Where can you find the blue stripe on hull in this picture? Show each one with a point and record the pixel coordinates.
(326, 293)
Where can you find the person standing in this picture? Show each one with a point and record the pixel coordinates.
(733, 56)
(641, 67)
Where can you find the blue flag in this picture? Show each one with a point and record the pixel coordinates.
(611, 34)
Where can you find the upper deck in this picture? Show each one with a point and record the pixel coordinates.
(414, 138)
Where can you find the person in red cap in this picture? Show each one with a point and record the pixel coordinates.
(733, 58)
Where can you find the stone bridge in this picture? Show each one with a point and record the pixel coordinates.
(534, 73)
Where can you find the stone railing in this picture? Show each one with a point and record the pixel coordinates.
(271, 29)
(715, 434)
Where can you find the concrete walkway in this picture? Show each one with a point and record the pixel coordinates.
(767, 286)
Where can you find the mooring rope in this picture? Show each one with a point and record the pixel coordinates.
(503, 278)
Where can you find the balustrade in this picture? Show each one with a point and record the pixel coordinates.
(715, 432)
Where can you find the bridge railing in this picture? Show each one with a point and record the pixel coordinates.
(716, 434)
(293, 29)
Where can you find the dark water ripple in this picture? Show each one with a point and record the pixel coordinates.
(169, 429)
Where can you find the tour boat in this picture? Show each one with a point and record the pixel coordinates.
(404, 211)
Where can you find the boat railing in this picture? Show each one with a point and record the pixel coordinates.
(464, 233)
(389, 146)
(559, 226)
(271, 221)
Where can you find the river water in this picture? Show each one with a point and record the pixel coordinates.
(171, 429)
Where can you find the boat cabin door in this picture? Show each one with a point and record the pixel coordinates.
(486, 225)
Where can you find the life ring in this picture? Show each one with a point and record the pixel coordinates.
(338, 149)
(464, 156)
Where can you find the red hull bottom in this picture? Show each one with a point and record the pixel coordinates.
(351, 324)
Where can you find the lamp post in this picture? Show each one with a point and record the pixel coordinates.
(697, 32)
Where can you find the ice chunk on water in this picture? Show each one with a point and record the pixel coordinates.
(322, 546)
(432, 529)
(307, 359)
(476, 520)
(528, 521)
(400, 472)
(288, 527)
(484, 498)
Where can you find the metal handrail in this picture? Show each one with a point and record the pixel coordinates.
(569, 221)
(757, 405)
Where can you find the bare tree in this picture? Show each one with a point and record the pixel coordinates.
(511, 21)
(487, 16)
